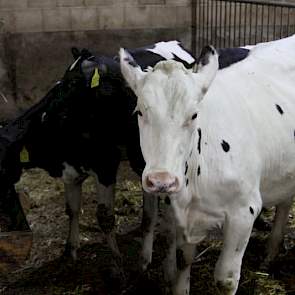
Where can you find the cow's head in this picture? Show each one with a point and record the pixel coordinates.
(167, 108)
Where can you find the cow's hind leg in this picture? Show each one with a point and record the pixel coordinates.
(149, 219)
(73, 205)
(277, 233)
(237, 230)
(184, 258)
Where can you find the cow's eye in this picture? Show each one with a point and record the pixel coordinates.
(194, 116)
(139, 113)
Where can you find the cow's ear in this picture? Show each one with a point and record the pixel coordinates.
(76, 52)
(206, 67)
(85, 53)
(131, 71)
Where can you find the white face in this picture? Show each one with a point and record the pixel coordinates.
(167, 107)
(166, 115)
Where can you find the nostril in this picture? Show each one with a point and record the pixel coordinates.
(162, 182)
(155, 181)
(149, 182)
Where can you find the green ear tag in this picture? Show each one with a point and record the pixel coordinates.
(24, 155)
(95, 79)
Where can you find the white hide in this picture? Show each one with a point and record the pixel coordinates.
(69, 174)
(241, 107)
(171, 48)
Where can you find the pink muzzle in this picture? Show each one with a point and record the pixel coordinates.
(161, 182)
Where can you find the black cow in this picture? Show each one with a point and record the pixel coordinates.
(77, 129)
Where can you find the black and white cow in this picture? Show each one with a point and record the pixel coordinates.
(76, 130)
(220, 144)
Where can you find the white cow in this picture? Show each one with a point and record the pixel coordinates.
(221, 144)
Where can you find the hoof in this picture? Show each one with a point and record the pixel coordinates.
(167, 290)
(142, 285)
(115, 277)
(266, 266)
(143, 264)
(70, 252)
(226, 287)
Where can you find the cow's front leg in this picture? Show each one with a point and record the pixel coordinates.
(184, 258)
(149, 219)
(105, 215)
(73, 206)
(237, 230)
(167, 241)
(106, 221)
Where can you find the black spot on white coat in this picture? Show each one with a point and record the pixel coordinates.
(200, 138)
(229, 56)
(186, 168)
(280, 110)
(251, 210)
(187, 181)
(199, 170)
(194, 116)
(225, 146)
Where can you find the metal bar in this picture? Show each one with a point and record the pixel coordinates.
(220, 24)
(256, 24)
(268, 19)
(199, 29)
(261, 2)
(235, 23)
(229, 24)
(203, 35)
(274, 22)
(245, 24)
(229, 18)
(262, 22)
(250, 33)
(211, 18)
(216, 26)
(281, 23)
(194, 27)
(240, 22)
(225, 16)
(288, 22)
(207, 23)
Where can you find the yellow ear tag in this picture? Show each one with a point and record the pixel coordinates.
(24, 155)
(95, 79)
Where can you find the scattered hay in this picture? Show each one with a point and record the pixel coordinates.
(45, 213)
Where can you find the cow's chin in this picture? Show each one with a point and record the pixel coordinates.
(171, 192)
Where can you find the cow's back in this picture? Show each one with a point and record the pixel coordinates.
(248, 121)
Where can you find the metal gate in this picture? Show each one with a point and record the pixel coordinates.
(231, 23)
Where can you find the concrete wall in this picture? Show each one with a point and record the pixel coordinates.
(36, 36)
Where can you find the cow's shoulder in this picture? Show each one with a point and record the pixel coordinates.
(229, 56)
(150, 55)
